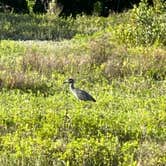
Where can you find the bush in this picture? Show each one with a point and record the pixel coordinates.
(146, 26)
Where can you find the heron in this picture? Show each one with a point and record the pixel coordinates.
(78, 93)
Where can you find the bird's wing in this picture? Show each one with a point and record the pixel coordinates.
(83, 95)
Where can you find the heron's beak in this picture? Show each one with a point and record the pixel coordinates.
(65, 82)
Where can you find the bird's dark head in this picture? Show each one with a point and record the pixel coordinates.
(70, 81)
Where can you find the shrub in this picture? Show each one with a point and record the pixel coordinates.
(146, 26)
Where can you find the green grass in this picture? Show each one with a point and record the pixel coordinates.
(123, 119)
(42, 123)
(46, 27)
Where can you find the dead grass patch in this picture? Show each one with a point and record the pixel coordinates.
(151, 154)
(122, 63)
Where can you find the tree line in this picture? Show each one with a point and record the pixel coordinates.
(70, 7)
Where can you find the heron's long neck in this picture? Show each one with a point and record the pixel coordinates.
(71, 86)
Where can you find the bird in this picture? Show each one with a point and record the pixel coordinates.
(78, 93)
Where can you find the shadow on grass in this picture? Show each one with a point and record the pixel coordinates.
(35, 27)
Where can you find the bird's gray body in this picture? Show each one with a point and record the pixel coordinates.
(78, 93)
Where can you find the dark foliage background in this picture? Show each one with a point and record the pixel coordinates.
(69, 7)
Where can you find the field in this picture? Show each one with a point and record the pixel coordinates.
(119, 60)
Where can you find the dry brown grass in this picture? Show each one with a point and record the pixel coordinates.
(100, 50)
(122, 63)
(33, 61)
(99, 53)
(151, 154)
(115, 65)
